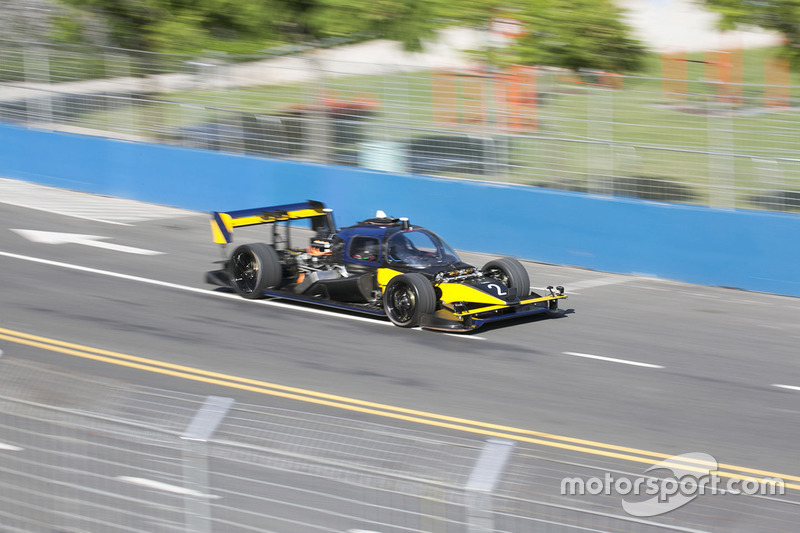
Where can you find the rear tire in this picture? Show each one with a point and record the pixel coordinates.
(510, 273)
(254, 268)
(407, 298)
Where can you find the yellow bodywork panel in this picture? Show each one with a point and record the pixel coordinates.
(543, 299)
(222, 224)
(266, 218)
(384, 275)
(522, 302)
(456, 292)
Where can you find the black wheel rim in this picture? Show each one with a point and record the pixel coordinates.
(401, 303)
(245, 271)
(499, 275)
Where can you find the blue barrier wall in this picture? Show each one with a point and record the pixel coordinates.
(751, 250)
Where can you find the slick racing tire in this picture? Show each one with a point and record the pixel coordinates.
(254, 268)
(407, 298)
(510, 273)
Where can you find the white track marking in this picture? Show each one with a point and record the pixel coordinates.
(206, 292)
(95, 241)
(187, 288)
(459, 335)
(10, 447)
(598, 282)
(788, 387)
(107, 210)
(612, 360)
(166, 487)
(466, 336)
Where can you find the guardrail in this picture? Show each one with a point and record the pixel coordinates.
(89, 454)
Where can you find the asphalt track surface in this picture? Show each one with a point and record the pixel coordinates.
(637, 370)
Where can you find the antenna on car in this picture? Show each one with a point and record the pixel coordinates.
(380, 213)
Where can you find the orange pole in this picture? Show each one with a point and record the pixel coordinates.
(444, 97)
(516, 101)
(435, 107)
(675, 71)
(476, 106)
(513, 96)
(534, 98)
(502, 100)
(533, 95)
(777, 90)
(459, 110)
(723, 65)
(526, 98)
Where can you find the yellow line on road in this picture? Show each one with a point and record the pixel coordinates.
(388, 411)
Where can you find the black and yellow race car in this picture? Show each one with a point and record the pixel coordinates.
(380, 266)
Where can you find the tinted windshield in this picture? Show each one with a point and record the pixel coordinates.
(420, 249)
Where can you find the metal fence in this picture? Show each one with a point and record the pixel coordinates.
(80, 453)
(698, 141)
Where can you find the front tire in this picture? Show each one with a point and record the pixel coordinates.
(407, 298)
(510, 273)
(254, 268)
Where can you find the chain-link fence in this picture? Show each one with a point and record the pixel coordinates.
(79, 453)
(699, 141)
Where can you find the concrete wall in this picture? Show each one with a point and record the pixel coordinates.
(751, 250)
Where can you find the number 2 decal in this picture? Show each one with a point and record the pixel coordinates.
(498, 288)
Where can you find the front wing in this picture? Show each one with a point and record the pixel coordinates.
(447, 319)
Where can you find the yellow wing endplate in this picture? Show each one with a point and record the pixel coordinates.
(222, 228)
(222, 224)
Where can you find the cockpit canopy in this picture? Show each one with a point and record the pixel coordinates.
(419, 248)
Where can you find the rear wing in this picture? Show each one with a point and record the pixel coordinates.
(222, 224)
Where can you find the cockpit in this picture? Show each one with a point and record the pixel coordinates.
(419, 248)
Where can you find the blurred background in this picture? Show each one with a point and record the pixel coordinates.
(654, 99)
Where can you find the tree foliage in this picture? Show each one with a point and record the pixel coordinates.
(782, 16)
(578, 34)
(407, 21)
(252, 25)
(566, 33)
(191, 25)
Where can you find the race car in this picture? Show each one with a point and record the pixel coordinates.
(381, 266)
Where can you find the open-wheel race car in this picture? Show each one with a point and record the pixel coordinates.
(380, 266)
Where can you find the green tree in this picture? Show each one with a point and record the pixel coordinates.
(407, 21)
(577, 34)
(250, 25)
(567, 33)
(573, 34)
(782, 16)
(189, 25)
